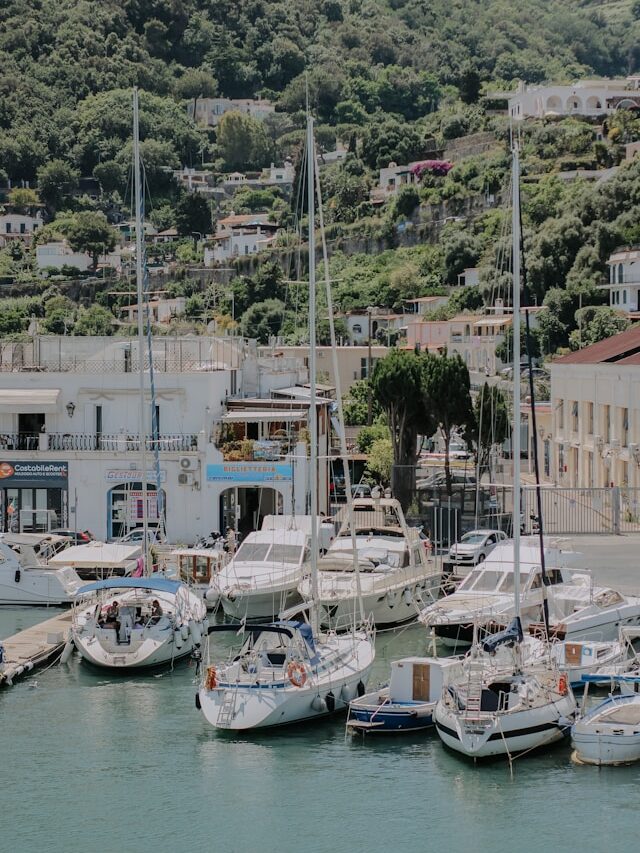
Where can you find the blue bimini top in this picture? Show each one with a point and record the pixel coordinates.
(155, 584)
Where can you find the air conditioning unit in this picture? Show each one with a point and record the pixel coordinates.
(189, 463)
(185, 479)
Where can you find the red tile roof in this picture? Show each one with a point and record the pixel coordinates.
(621, 349)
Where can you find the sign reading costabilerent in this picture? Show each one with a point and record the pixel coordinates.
(249, 472)
(34, 475)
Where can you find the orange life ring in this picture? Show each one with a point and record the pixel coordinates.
(297, 674)
(211, 680)
(563, 687)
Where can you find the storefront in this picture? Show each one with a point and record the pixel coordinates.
(249, 491)
(33, 496)
(125, 502)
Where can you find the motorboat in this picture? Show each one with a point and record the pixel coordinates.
(609, 733)
(588, 657)
(484, 600)
(580, 609)
(395, 577)
(262, 578)
(127, 623)
(197, 567)
(406, 704)
(96, 560)
(26, 580)
(283, 674)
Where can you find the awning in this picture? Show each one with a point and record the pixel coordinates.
(154, 584)
(29, 400)
(240, 416)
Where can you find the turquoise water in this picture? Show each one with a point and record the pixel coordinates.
(94, 763)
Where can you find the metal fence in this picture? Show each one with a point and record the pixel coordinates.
(116, 442)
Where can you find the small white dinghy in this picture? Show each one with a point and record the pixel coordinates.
(608, 734)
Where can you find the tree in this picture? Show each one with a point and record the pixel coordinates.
(195, 83)
(398, 383)
(595, 323)
(446, 392)
(405, 202)
(243, 142)
(22, 199)
(369, 434)
(263, 320)
(469, 85)
(56, 181)
(110, 175)
(356, 404)
(90, 232)
(380, 461)
(59, 315)
(491, 423)
(95, 320)
(193, 216)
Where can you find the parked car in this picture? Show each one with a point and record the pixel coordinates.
(459, 450)
(136, 536)
(360, 490)
(77, 537)
(439, 480)
(474, 547)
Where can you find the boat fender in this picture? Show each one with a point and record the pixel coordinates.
(67, 652)
(330, 700)
(28, 666)
(196, 632)
(198, 705)
(177, 638)
(319, 704)
(184, 630)
(392, 598)
(16, 577)
(360, 689)
(205, 626)
(347, 693)
(563, 688)
(407, 597)
(297, 674)
(19, 670)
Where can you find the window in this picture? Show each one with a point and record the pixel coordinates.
(357, 329)
(607, 424)
(8, 227)
(620, 274)
(23, 228)
(363, 368)
(590, 418)
(574, 416)
(625, 427)
(561, 414)
(547, 457)
(624, 297)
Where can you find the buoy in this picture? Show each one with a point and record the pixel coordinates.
(196, 632)
(67, 651)
(177, 638)
(184, 630)
(318, 704)
(212, 596)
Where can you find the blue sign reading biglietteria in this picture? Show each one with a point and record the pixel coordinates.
(249, 472)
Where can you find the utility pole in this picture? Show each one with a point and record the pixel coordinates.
(370, 390)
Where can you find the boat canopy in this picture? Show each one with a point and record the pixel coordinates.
(159, 584)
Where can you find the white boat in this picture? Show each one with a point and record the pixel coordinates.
(526, 705)
(588, 657)
(407, 703)
(262, 578)
(99, 559)
(285, 674)
(143, 634)
(198, 567)
(580, 610)
(484, 600)
(25, 580)
(288, 672)
(396, 578)
(609, 733)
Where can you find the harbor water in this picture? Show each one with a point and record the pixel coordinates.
(92, 762)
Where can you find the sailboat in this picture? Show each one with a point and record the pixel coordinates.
(523, 705)
(124, 623)
(289, 671)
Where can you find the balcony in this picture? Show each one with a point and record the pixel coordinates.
(107, 443)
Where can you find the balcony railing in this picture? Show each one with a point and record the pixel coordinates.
(103, 442)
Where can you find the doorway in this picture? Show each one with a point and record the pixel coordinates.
(125, 509)
(243, 508)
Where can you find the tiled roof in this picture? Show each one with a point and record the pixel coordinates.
(621, 349)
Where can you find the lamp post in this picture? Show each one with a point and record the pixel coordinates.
(370, 390)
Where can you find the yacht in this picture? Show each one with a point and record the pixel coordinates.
(25, 579)
(262, 577)
(395, 576)
(583, 610)
(609, 734)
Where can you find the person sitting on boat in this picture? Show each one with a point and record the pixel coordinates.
(113, 616)
(156, 610)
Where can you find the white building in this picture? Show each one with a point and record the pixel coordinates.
(18, 226)
(624, 279)
(160, 310)
(195, 180)
(590, 98)
(238, 236)
(596, 414)
(209, 111)
(59, 254)
(229, 450)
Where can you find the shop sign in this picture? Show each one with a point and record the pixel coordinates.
(128, 475)
(249, 472)
(34, 475)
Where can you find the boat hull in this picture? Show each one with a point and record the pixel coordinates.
(367, 717)
(264, 605)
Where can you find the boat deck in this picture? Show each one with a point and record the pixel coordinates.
(33, 647)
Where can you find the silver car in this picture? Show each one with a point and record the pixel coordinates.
(474, 546)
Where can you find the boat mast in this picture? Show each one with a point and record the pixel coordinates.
(138, 191)
(515, 439)
(313, 408)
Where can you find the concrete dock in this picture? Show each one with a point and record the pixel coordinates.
(33, 647)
